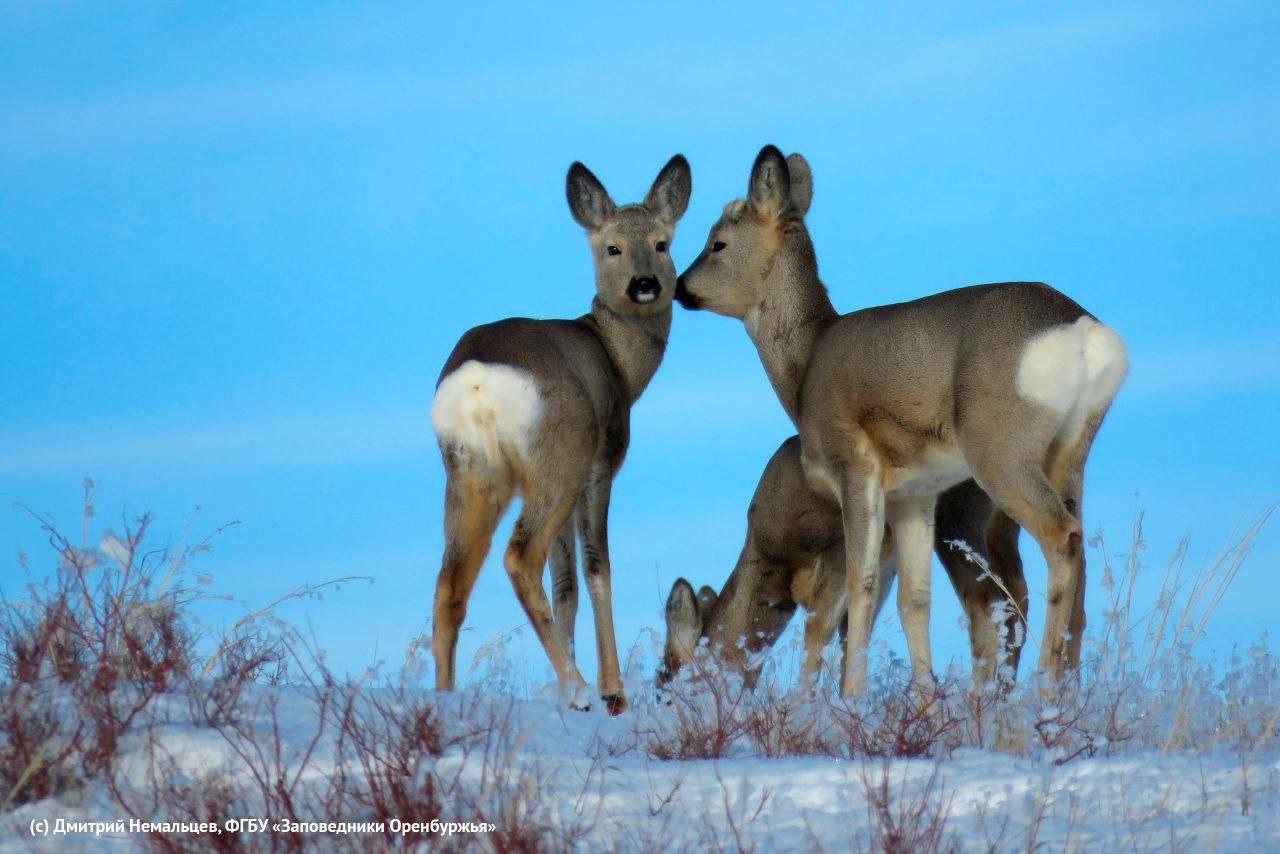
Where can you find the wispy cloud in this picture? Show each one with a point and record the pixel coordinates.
(322, 439)
(1160, 370)
(800, 72)
(314, 439)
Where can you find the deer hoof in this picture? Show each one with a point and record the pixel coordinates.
(616, 704)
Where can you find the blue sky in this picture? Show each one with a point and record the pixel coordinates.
(237, 242)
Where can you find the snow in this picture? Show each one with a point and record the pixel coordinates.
(1156, 748)
(1144, 800)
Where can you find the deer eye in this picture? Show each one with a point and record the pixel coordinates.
(613, 250)
(717, 246)
(662, 246)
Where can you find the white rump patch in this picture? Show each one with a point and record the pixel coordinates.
(487, 407)
(1106, 363)
(1075, 369)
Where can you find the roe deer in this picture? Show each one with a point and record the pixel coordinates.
(542, 408)
(794, 555)
(1006, 384)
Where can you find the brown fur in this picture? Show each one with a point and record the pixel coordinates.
(794, 556)
(896, 404)
(587, 373)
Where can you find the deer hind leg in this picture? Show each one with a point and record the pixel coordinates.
(967, 518)
(956, 536)
(564, 586)
(593, 526)
(474, 502)
(1006, 565)
(546, 510)
(1021, 488)
(1066, 472)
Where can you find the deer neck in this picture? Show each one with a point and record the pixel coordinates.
(730, 617)
(635, 344)
(785, 326)
(752, 610)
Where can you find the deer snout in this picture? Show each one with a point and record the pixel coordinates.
(643, 289)
(683, 296)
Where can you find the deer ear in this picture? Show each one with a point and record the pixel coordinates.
(682, 605)
(669, 196)
(684, 619)
(801, 183)
(707, 597)
(589, 202)
(769, 189)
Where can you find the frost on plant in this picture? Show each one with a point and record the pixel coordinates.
(115, 701)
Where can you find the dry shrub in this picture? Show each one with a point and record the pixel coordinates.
(1144, 668)
(250, 656)
(38, 756)
(84, 659)
(394, 742)
(108, 614)
(95, 644)
(209, 797)
(701, 718)
(404, 756)
(713, 716)
(397, 755)
(104, 633)
(781, 724)
(903, 823)
(1143, 682)
(48, 645)
(171, 793)
(738, 812)
(899, 722)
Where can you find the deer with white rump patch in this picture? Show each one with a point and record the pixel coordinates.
(1006, 384)
(542, 408)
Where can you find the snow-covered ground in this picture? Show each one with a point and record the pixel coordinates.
(592, 780)
(111, 719)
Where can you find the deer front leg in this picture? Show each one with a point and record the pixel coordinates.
(862, 511)
(888, 569)
(593, 526)
(912, 522)
(826, 608)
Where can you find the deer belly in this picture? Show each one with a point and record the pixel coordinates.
(935, 472)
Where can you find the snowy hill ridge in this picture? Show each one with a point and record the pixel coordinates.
(116, 732)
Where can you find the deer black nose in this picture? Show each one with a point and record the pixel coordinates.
(643, 289)
(683, 296)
